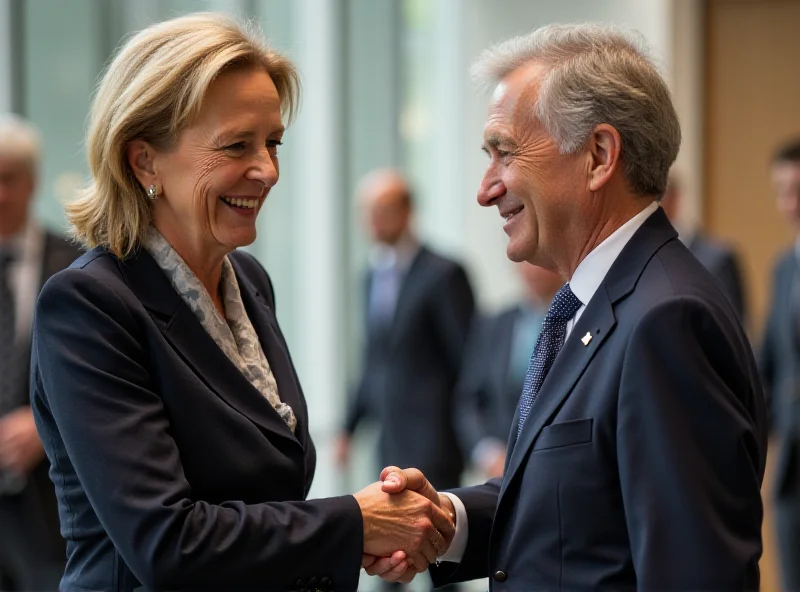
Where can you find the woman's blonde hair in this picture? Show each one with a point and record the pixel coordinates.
(151, 91)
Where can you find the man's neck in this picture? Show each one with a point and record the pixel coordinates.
(606, 224)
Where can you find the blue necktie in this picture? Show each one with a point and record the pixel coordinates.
(554, 329)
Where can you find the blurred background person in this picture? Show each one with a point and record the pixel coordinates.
(717, 257)
(31, 548)
(780, 367)
(498, 353)
(419, 308)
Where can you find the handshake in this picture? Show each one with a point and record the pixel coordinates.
(407, 525)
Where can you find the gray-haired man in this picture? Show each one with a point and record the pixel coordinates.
(637, 452)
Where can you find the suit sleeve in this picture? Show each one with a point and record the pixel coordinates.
(454, 306)
(480, 502)
(691, 448)
(91, 374)
(471, 396)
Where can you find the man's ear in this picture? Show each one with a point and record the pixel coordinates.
(605, 147)
(141, 158)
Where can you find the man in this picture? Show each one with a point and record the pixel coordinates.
(717, 257)
(31, 548)
(497, 357)
(637, 453)
(779, 362)
(419, 310)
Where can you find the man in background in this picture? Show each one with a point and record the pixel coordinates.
(419, 308)
(31, 549)
(779, 362)
(716, 257)
(498, 353)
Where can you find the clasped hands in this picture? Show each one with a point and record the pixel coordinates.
(407, 524)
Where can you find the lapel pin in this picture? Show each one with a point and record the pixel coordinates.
(586, 338)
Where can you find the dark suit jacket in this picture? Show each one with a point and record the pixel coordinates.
(779, 362)
(723, 264)
(57, 254)
(411, 368)
(641, 463)
(486, 394)
(172, 471)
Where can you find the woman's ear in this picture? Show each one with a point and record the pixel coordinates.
(141, 159)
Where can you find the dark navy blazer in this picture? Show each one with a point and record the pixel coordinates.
(641, 464)
(171, 470)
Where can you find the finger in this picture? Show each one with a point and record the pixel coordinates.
(399, 573)
(443, 523)
(394, 482)
(383, 565)
(428, 550)
(367, 560)
(392, 469)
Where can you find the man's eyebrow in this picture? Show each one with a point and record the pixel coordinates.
(494, 140)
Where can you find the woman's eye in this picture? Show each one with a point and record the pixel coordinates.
(273, 144)
(238, 146)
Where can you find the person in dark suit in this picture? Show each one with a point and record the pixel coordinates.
(168, 405)
(31, 548)
(779, 362)
(717, 257)
(419, 307)
(637, 453)
(493, 371)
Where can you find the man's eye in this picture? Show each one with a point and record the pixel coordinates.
(272, 145)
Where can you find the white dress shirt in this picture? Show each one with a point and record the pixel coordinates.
(584, 283)
(24, 276)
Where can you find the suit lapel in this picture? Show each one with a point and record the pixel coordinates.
(599, 320)
(195, 346)
(266, 326)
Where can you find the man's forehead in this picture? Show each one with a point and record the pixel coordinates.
(517, 91)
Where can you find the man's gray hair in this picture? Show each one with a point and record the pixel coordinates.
(19, 140)
(596, 74)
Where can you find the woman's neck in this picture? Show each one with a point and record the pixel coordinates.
(204, 263)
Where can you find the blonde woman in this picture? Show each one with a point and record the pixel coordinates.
(168, 404)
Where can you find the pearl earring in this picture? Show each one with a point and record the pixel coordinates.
(152, 194)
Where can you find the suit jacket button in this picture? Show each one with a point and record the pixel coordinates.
(500, 576)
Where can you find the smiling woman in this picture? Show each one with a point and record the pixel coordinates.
(163, 389)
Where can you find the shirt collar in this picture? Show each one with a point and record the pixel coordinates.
(22, 244)
(399, 255)
(593, 269)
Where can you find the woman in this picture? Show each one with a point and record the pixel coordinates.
(162, 386)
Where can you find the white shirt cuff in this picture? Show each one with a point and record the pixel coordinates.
(457, 547)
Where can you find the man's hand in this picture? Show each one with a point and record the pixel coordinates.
(396, 481)
(404, 520)
(495, 468)
(341, 453)
(20, 447)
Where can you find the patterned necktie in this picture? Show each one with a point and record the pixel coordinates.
(7, 335)
(554, 330)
